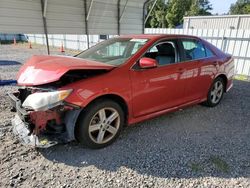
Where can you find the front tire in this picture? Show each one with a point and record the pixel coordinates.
(100, 124)
(215, 93)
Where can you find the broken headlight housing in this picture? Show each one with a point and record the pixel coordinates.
(41, 101)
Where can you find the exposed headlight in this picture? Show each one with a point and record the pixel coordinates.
(45, 100)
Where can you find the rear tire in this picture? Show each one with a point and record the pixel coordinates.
(100, 124)
(215, 93)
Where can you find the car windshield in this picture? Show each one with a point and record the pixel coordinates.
(114, 51)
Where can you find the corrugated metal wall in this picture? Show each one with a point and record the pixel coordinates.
(65, 16)
(217, 22)
(68, 17)
(18, 16)
(103, 17)
(235, 42)
(132, 14)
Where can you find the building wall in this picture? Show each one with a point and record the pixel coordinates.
(18, 16)
(65, 16)
(217, 22)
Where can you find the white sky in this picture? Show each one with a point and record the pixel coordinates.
(221, 6)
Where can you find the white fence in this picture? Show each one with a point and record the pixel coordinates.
(235, 42)
(75, 42)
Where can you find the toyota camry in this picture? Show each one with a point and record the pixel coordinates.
(118, 82)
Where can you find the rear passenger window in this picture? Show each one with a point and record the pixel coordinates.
(193, 50)
(209, 53)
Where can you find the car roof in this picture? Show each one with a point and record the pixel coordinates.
(158, 36)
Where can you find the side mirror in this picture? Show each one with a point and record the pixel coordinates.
(146, 63)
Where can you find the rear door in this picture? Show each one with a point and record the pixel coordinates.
(198, 64)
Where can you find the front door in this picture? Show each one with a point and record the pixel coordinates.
(158, 88)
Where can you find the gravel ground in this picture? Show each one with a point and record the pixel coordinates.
(195, 147)
(20, 54)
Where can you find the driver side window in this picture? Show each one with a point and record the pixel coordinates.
(163, 52)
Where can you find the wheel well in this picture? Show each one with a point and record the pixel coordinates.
(224, 79)
(117, 99)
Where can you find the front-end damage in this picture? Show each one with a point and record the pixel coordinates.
(42, 117)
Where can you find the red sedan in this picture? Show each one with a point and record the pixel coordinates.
(121, 81)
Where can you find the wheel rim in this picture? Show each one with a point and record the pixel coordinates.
(104, 125)
(216, 92)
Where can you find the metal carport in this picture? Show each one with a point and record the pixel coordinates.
(113, 17)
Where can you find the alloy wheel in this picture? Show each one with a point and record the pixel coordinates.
(217, 92)
(104, 125)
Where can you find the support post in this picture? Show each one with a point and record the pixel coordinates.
(150, 12)
(144, 20)
(86, 21)
(143, 15)
(118, 17)
(44, 8)
(123, 10)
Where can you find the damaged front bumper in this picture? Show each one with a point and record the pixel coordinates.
(23, 133)
(27, 132)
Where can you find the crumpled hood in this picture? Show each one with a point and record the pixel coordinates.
(46, 69)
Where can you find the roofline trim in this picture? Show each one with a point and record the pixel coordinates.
(222, 16)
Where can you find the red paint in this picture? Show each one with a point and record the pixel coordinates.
(147, 63)
(147, 92)
(40, 119)
(45, 69)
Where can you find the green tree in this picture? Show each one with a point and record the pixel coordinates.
(176, 11)
(157, 16)
(200, 8)
(170, 13)
(194, 9)
(240, 7)
(205, 7)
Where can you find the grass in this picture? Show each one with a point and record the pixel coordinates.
(242, 77)
(196, 167)
(216, 163)
(219, 164)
